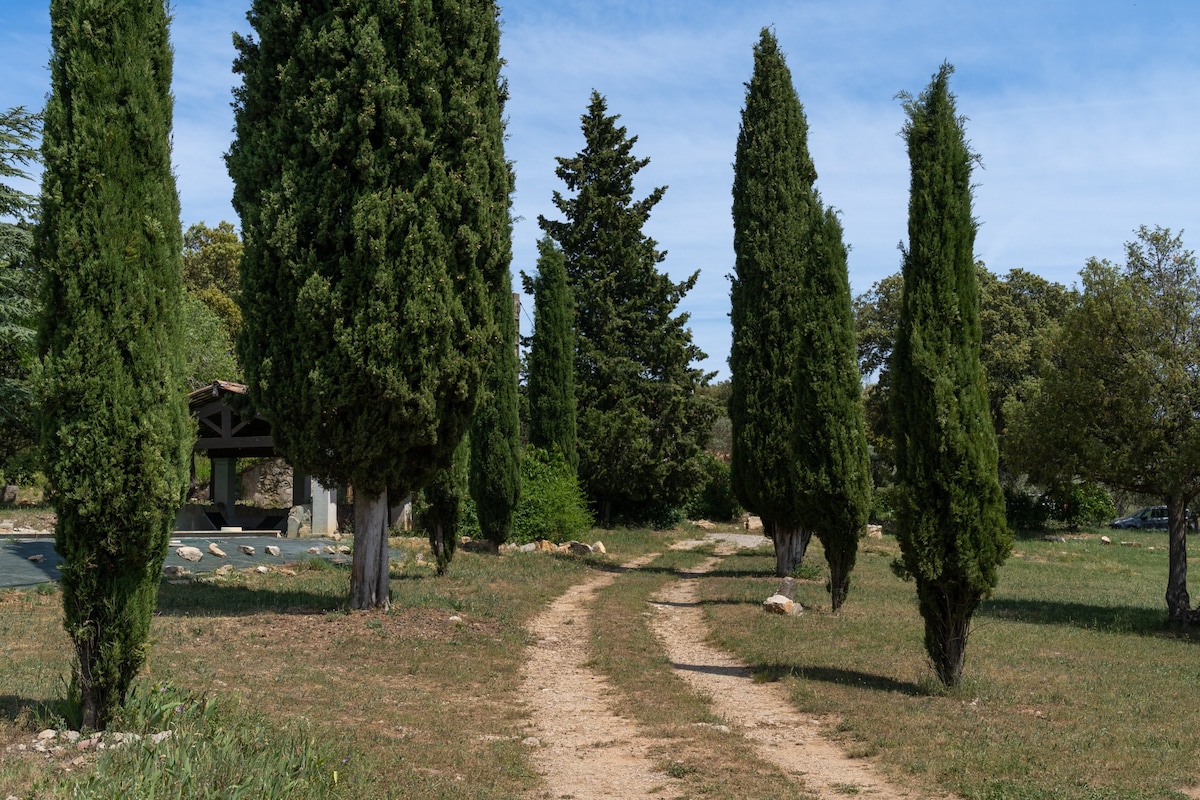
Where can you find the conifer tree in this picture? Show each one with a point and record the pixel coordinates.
(370, 177)
(114, 426)
(495, 463)
(774, 207)
(551, 382)
(949, 506)
(18, 297)
(640, 422)
(442, 500)
(829, 435)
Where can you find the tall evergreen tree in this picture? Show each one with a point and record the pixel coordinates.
(370, 177)
(441, 506)
(551, 381)
(114, 425)
(829, 435)
(495, 468)
(774, 210)
(640, 421)
(949, 506)
(18, 297)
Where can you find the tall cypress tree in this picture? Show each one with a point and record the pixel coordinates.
(640, 422)
(114, 426)
(829, 436)
(495, 464)
(949, 506)
(370, 177)
(774, 210)
(441, 511)
(551, 382)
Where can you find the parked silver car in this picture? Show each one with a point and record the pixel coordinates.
(1151, 518)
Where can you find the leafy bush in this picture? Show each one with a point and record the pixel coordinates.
(1024, 510)
(714, 498)
(1078, 504)
(552, 505)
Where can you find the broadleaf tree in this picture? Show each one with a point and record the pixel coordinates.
(949, 507)
(1119, 396)
(370, 177)
(640, 422)
(114, 426)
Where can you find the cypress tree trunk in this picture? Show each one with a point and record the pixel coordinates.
(369, 568)
(791, 543)
(114, 427)
(442, 507)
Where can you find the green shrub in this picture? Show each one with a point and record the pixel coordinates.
(714, 498)
(1024, 510)
(1078, 504)
(552, 505)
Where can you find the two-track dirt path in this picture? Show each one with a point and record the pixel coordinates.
(585, 751)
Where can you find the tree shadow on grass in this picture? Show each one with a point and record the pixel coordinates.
(199, 599)
(1140, 621)
(841, 677)
(14, 708)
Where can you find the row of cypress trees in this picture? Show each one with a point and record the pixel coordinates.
(800, 456)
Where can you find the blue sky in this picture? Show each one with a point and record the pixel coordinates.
(1085, 115)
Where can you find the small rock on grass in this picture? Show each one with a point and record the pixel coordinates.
(272, 550)
(216, 551)
(245, 549)
(778, 604)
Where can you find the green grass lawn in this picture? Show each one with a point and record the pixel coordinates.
(1074, 687)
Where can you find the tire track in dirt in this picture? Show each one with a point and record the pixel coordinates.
(585, 751)
(762, 712)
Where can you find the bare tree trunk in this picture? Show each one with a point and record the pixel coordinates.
(791, 542)
(369, 571)
(1179, 604)
(839, 583)
(948, 661)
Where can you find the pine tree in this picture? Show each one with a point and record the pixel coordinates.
(640, 422)
(551, 382)
(114, 425)
(949, 506)
(829, 436)
(370, 177)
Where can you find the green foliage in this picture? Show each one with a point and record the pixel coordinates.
(640, 421)
(371, 182)
(18, 298)
(550, 386)
(775, 207)
(440, 507)
(1080, 503)
(495, 468)
(208, 350)
(1025, 510)
(552, 504)
(211, 259)
(114, 427)
(948, 502)
(1117, 398)
(714, 499)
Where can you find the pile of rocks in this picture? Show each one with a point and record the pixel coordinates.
(74, 747)
(546, 546)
